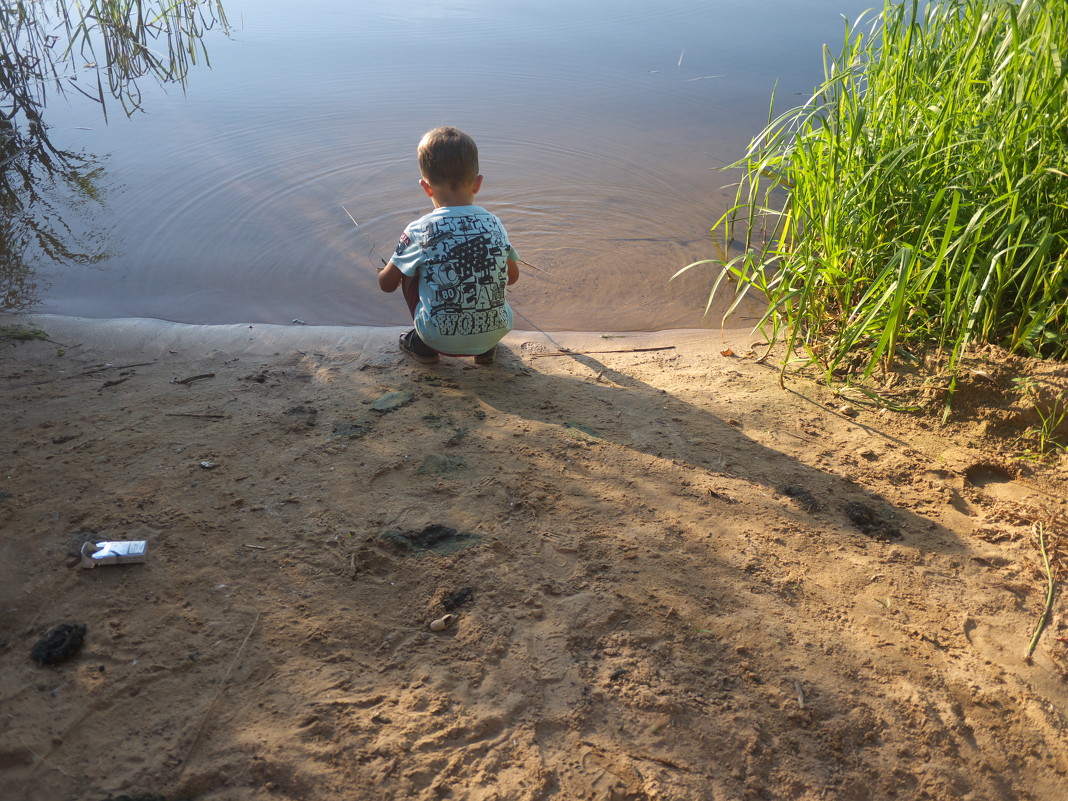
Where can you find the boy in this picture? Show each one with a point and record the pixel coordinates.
(455, 262)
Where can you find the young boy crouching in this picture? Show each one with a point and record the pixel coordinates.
(455, 262)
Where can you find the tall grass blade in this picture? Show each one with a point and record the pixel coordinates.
(919, 199)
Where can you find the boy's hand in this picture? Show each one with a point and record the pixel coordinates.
(389, 278)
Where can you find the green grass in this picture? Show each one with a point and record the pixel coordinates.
(1051, 409)
(21, 333)
(919, 200)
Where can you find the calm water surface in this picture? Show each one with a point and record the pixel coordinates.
(601, 127)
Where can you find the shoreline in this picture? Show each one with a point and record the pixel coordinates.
(141, 334)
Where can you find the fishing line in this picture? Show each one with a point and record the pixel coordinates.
(538, 328)
(370, 241)
(528, 264)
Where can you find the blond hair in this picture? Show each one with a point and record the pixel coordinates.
(448, 156)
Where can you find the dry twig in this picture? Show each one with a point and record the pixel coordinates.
(585, 352)
(218, 692)
(192, 378)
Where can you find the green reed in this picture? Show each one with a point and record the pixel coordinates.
(99, 48)
(135, 38)
(919, 199)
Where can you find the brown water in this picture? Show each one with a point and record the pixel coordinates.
(602, 128)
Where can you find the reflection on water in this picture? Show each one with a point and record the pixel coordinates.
(602, 127)
(48, 200)
(52, 199)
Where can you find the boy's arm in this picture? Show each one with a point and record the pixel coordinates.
(390, 277)
(513, 272)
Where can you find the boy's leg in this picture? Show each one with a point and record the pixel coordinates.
(411, 344)
(410, 341)
(487, 357)
(410, 290)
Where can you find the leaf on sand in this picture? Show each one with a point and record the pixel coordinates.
(392, 401)
(580, 431)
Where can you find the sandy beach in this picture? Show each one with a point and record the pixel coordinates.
(634, 570)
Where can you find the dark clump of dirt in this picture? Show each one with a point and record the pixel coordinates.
(348, 429)
(59, 644)
(442, 465)
(440, 422)
(305, 414)
(872, 523)
(434, 537)
(805, 499)
(454, 600)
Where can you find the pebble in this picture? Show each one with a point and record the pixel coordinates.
(442, 623)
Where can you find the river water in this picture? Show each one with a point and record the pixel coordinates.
(602, 128)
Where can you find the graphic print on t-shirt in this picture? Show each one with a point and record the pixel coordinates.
(466, 273)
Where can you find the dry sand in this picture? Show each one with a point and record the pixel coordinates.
(670, 578)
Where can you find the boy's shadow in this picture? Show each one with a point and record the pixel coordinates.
(616, 409)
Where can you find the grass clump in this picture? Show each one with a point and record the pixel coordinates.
(1050, 406)
(919, 199)
(21, 333)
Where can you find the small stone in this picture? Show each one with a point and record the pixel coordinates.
(391, 401)
(442, 623)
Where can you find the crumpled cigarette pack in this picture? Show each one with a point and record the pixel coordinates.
(115, 552)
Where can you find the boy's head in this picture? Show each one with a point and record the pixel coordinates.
(448, 157)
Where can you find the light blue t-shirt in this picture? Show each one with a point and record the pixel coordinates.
(460, 254)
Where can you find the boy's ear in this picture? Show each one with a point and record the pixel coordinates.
(423, 182)
(476, 185)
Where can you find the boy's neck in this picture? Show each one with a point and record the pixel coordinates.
(458, 199)
(445, 195)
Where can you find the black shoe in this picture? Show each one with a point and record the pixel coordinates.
(411, 344)
(487, 357)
